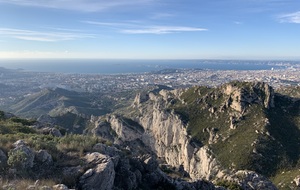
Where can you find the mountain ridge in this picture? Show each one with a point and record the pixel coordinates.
(239, 135)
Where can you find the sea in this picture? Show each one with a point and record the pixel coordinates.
(91, 66)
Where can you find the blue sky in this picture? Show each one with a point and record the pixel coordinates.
(150, 29)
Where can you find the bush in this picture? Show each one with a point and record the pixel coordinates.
(231, 185)
(16, 158)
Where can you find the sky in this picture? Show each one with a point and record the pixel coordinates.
(150, 29)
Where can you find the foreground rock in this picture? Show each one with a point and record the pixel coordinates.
(101, 176)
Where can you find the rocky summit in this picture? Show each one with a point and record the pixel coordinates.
(238, 135)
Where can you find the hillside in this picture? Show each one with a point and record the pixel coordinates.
(218, 133)
(238, 135)
(34, 155)
(55, 102)
(68, 109)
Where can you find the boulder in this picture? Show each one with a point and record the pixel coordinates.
(297, 181)
(107, 150)
(43, 157)
(96, 158)
(19, 143)
(21, 156)
(55, 132)
(101, 176)
(51, 131)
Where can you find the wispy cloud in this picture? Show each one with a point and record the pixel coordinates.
(290, 17)
(134, 28)
(78, 5)
(161, 15)
(163, 30)
(42, 36)
(111, 24)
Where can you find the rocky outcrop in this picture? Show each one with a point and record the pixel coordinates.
(43, 157)
(103, 129)
(241, 96)
(166, 134)
(126, 129)
(21, 156)
(51, 131)
(251, 180)
(101, 176)
(297, 181)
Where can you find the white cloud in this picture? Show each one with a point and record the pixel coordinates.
(110, 24)
(140, 28)
(290, 18)
(32, 35)
(161, 15)
(78, 5)
(163, 30)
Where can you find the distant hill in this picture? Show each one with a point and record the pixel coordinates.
(56, 102)
(68, 109)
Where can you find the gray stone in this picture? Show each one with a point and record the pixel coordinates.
(254, 181)
(44, 157)
(101, 176)
(103, 130)
(97, 158)
(51, 131)
(60, 187)
(55, 132)
(19, 143)
(21, 155)
(297, 181)
(107, 150)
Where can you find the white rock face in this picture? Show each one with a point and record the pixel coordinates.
(297, 181)
(260, 93)
(102, 176)
(167, 136)
(123, 130)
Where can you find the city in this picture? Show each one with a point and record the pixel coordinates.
(19, 83)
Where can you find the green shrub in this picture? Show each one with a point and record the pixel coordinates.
(16, 159)
(229, 185)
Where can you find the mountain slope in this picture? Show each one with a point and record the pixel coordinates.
(217, 133)
(54, 101)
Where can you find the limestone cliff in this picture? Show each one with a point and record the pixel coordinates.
(162, 129)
